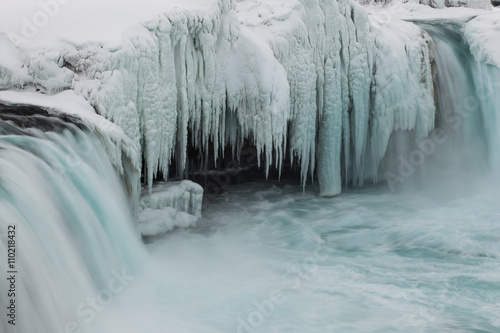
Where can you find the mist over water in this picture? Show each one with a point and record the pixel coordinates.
(422, 256)
(366, 261)
(460, 155)
(419, 257)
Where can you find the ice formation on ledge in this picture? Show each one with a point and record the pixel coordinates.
(170, 205)
(122, 152)
(483, 35)
(318, 82)
(403, 90)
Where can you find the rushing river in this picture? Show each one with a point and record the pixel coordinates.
(419, 255)
(270, 258)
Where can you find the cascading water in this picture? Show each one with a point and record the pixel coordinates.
(487, 82)
(75, 238)
(462, 147)
(266, 258)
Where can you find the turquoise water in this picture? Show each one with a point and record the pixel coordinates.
(74, 231)
(270, 258)
(265, 257)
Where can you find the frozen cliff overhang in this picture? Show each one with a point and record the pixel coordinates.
(318, 83)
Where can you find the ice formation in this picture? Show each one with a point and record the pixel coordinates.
(170, 205)
(122, 152)
(483, 34)
(319, 82)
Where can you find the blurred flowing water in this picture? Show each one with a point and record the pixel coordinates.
(266, 257)
(74, 231)
(270, 258)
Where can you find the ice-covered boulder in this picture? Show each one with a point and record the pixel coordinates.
(169, 205)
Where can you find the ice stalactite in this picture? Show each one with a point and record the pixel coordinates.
(188, 71)
(326, 50)
(402, 89)
(369, 80)
(307, 80)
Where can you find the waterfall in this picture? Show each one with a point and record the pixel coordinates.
(75, 241)
(75, 247)
(462, 148)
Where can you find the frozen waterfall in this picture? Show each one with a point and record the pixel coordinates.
(314, 83)
(325, 88)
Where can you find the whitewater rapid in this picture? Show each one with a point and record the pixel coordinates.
(265, 257)
(368, 261)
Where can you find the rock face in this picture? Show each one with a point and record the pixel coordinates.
(495, 2)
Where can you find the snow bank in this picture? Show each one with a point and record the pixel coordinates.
(457, 3)
(414, 10)
(169, 205)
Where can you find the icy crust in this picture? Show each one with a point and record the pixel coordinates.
(184, 69)
(123, 153)
(13, 73)
(403, 89)
(483, 35)
(326, 49)
(352, 83)
(308, 79)
(170, 205)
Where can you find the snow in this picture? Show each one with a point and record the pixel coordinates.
(122, 151)
(403, 90)
(483, 34)
(484, 4)
(413, 10)
(83, 21)
(324, 83)
(200, 55)
(170, 205)
(326, 50)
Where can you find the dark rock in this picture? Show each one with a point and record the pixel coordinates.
(14, 118)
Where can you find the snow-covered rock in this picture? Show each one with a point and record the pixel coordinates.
(122, 152)
(483, 35)
(169, 205)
